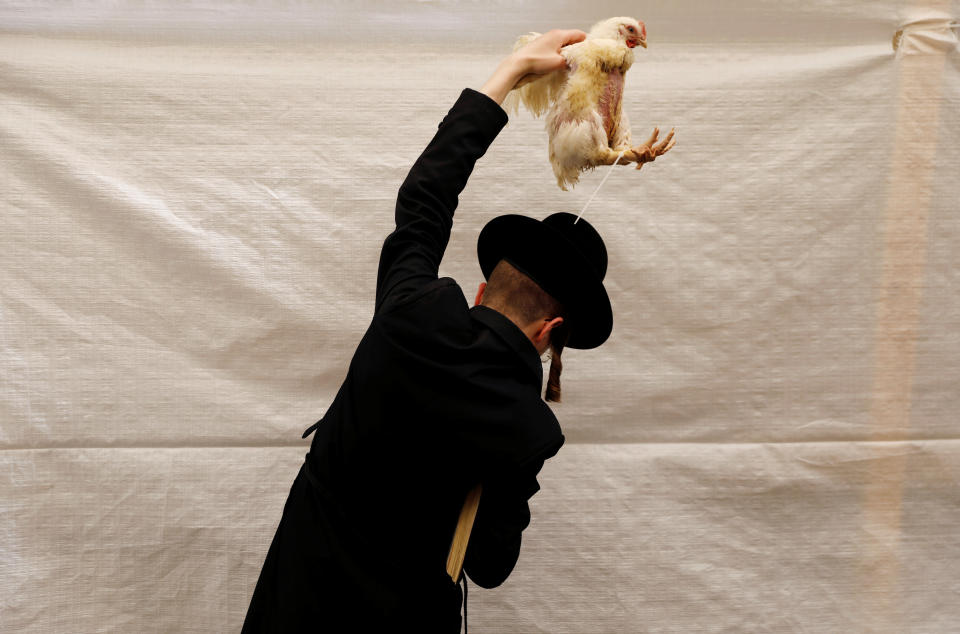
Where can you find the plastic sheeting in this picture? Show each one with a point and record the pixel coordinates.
(193, 201)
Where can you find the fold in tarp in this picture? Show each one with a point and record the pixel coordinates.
(194, 197)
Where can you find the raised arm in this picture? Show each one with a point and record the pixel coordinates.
(538, 57)
(428, 197)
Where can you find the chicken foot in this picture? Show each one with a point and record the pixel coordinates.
(640, 154)
(648, 152)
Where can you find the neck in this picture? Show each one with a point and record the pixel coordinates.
(529, 329)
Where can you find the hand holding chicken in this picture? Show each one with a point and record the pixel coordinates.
(582, 98)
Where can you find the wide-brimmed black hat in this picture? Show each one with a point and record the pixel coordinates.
(565, 257)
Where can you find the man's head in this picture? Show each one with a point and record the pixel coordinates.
(540, 316)
(565, 258)
(547, 277)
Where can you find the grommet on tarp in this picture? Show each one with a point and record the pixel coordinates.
(928, 35)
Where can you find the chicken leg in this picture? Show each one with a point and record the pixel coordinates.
(640, 154)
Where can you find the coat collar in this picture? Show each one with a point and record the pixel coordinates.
(513, 336)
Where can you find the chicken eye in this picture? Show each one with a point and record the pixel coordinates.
(630, 28)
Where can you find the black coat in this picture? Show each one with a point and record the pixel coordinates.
(438, 397)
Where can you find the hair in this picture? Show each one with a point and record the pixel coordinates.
(557, 341)
(516, 295)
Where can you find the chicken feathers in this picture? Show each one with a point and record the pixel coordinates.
(583, 102)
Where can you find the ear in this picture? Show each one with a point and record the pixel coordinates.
(545, 329)
(483, 287)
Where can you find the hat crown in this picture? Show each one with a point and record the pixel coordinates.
(565, 257)
(583, 237)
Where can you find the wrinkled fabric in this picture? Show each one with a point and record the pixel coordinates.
(194, 198)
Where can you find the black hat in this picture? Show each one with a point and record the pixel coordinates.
(565, 257)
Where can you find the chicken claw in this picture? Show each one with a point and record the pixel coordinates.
(648, 152)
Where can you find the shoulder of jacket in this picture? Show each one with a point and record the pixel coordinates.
(550, 422)
(544, 434)
(436, 290)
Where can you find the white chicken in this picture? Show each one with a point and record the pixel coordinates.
(585, 121)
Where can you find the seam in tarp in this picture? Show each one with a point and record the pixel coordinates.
(845, 441)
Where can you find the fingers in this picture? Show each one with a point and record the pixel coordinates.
(573, 36)
(542, 55)
(559, 62)
(564, 37)
(526, 79)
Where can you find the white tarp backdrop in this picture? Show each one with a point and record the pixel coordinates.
(193, 197)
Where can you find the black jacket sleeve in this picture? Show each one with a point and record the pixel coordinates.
(502, 516)
(428, 197)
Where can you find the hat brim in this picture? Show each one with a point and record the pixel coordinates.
(558, 267)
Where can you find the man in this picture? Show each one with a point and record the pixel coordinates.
(437, 399)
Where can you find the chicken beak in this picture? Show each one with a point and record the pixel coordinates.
(642, 43)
